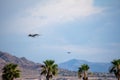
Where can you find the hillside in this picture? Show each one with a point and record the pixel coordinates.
(94, 66)
(22, 62)
(67, 70)
(71, 65)
(27, 67)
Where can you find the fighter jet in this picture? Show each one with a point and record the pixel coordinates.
(33, 35)
(69, 52)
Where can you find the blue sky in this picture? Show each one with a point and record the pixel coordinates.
(89, 29)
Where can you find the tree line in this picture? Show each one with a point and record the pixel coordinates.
(50, 69)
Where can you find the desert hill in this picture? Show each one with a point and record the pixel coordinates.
(73, 65)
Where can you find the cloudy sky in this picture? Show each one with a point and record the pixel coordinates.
(89, 29)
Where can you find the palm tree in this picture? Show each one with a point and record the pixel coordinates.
(10, 72)
(115, 68)
(83, 70)
(49, 69)
(80, 72)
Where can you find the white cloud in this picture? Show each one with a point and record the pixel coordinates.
(37, 18)
(115, 45)
(64, 10)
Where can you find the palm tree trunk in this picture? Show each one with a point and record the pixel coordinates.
(118, 78)
(12, 79)
(85, 76)
(47, 78)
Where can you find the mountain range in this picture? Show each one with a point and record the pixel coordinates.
(29, 69)
(74, 64)
(22, 62)
(71, 65)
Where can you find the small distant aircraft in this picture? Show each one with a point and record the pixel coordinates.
(69, 52)
(33, 35)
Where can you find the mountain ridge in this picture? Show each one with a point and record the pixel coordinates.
(28, 68)
(74, 64)
(22, 62)
(71, 65)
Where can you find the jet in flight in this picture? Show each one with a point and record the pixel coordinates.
(33, 35)
(69, 52)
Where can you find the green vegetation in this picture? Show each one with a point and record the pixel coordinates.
(49, 69)
(115, 68)
(10, 72)
(83, 70)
